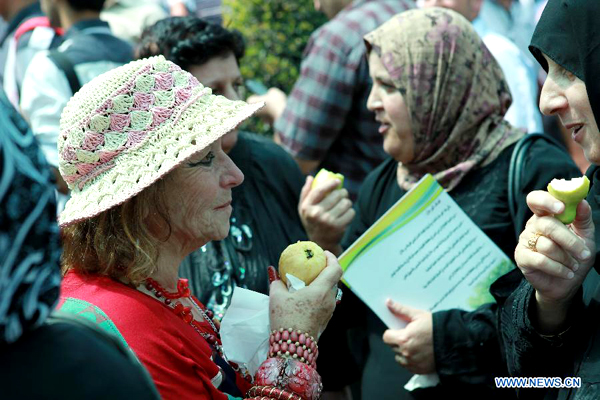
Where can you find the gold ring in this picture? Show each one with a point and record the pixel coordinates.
(532, 242)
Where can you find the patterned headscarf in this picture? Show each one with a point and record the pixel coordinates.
(454, 90)
(29, 241)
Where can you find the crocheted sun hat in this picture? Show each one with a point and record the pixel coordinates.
(130, 126)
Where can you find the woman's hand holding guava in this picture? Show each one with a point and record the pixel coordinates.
(557, 262)
(326, 212)
(308, 309)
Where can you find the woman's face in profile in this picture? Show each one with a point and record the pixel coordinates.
(566, 96)
(198, 197)
(390, 109)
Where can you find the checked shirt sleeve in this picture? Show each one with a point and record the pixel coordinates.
(322, 97)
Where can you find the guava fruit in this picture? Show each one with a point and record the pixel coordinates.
(325, 175)
(570, 192)
(305, 260)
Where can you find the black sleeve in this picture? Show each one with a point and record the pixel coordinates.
(530, 354)
(357, 227)
(276, 168)
(369, 199)
(466, 344)
(271, 194)
(350, 315)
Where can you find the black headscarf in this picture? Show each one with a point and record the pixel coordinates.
(569, 33)
(29, 241)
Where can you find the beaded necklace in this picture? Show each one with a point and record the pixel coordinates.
(185, 313)
(213, 338)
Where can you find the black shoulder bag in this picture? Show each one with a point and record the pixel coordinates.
(515, 171)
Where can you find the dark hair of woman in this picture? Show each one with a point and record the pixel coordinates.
(84, 5)
(189, 41)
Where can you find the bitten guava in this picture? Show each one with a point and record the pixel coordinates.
(304, 260)
(325, 175)
(570, 192)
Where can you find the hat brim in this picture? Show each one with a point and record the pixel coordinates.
(201, 124)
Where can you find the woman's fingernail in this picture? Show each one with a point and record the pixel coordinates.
(570, 275)
(272, 274)
(575, 267)
(557, 207)
(388, 302)
(585, 254)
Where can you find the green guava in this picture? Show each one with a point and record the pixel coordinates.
(325, 175)
(570, 192)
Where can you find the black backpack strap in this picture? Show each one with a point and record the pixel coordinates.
(515, 171)
(66, 66)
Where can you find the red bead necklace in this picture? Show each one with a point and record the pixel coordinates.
(185, 313)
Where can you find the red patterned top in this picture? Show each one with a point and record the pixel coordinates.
(181, 362)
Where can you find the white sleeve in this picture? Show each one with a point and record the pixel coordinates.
(522, 82)
(44, 94)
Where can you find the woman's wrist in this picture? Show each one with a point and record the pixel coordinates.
(550, 315)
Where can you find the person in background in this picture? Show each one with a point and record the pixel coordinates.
(210, 10)
(128, 18)
(513, 19)
(517, 67)
(264, 220)
(27, 32)
(89, 49)
(324, 122)
(36, 346)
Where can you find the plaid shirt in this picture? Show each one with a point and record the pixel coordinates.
(326, 117)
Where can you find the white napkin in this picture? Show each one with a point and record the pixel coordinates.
(422, 381)
(294, 284)
(245, 329)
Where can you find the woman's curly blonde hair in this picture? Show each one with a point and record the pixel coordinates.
(118, 242)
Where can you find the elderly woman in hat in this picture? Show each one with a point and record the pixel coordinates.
(140, 148)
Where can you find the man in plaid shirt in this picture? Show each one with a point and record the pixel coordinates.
(324, 123)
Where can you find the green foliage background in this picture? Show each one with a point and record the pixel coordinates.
(276, 33)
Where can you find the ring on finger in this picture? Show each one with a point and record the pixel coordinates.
(532, 241)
